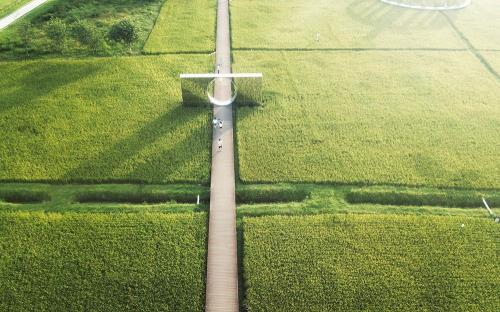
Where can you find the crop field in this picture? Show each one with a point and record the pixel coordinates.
(371, 117)
(293, 24)
(76, 262)
(28, 37)
(371, 263)
(184, 26)
(479, 23)
(9, 6)
(101, 119)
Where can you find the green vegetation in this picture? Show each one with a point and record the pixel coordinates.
(371, 263)
(359, 118)
(113, 198)
(184, 26)
(328, 199)
(117, 262)
(479, 23)
(416, 197)
(102, 120)
(494, 59)
(22, 196)
(276, 193)
(99, 15)
(9, 6)
(293, 24)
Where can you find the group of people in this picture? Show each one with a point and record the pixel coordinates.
(218, 123)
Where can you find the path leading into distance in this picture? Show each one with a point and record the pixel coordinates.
(222, 260)
(17, 14)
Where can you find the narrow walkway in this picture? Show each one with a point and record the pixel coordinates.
(222, 261)
(17, 14)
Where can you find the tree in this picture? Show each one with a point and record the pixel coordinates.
(123, 31)
(88, 35)
(57, 30)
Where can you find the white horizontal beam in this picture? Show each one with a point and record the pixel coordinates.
(231, 75)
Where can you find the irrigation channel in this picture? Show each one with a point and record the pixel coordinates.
(222, 261)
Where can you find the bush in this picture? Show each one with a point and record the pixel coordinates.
(23, 197)
(460, 199)
(87, 34)
(270, 194)
(57, 30)
(140, 197)
(123, 31)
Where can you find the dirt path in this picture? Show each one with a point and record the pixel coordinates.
(17, 14)
(222, 263)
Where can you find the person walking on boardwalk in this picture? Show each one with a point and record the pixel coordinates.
(219, 144)
(215, 122)
(220, 124)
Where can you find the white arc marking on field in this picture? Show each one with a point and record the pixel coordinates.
(14, 16)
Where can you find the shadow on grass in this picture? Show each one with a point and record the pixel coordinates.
(157, 167)
(25, 84)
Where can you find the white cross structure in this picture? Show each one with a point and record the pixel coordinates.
(198, 89)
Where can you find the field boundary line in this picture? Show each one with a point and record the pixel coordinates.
(350, 49)
(471, 48)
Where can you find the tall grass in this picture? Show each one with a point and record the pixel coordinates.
(371, 263)
(393, 118)
(102, 120)
(184, 26)
(462, 199)
(119, 262)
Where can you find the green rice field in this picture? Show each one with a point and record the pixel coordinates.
(344, 24)
(371, 118)
(371, 263)
(184, 26)
(117, 262)
(101, 119)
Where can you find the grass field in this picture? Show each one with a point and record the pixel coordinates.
(293, 24)
(371, 263)
(9, 6)
(101, 14)
(371, 117)
(102, 119)
(184, 26)
(118, 262)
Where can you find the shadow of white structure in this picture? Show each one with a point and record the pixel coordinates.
(430, 5)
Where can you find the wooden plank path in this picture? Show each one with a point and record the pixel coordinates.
(222, 261)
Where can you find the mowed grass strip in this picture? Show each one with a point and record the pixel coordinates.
(184, 26)
(101, 119)
(293, 24)
(371, 263)
(117, 262)
(403, 118)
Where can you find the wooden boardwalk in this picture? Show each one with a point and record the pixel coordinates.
(222, 261)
